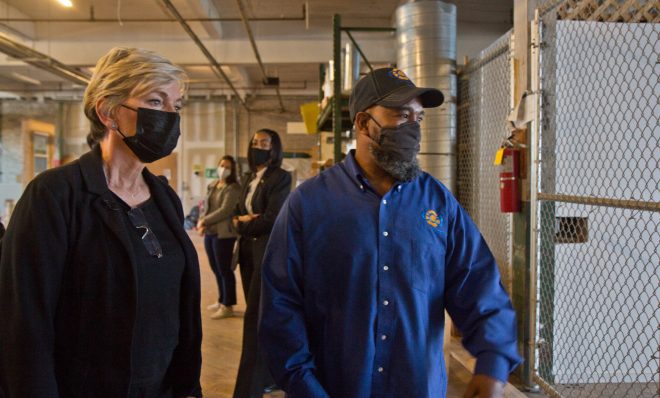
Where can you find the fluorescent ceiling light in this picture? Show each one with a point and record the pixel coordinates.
(65, 3)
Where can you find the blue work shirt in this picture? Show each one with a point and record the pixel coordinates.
(355, 286)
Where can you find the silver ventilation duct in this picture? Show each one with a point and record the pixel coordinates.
(426, 52)
(352, 61)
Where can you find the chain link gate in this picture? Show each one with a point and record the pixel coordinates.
(483, 105)
(598, 220)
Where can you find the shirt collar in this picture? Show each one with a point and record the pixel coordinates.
(357, 175)
(355, 172)
(351, 165)
(260, 173)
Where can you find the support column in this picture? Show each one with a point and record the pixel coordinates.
(521, 255)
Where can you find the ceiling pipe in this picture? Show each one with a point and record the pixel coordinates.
(215, 65)
(291, 84)
(246, 24)
(23, 78)
(42, 61)
(190, 89)
(92, 19)
(144, 20)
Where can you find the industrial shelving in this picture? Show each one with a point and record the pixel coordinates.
(335, 114)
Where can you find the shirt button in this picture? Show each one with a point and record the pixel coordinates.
(385, 302)
(384, 201)
(398, 188)
(380, 370)
(362, 187)
(385, 233)
(383, 337)
(385, 267)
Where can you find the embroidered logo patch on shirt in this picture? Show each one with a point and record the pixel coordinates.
(432, 218)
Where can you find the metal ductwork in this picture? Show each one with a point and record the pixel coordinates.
(426, 52)
(41, 61)
(352, 62)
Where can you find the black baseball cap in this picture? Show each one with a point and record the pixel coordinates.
(389, 87)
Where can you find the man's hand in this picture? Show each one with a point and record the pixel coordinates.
(483, 386)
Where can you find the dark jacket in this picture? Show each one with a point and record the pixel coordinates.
(267, 201)
(68, 289)
(219, 205)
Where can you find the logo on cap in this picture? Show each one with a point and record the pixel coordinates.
(398, 74)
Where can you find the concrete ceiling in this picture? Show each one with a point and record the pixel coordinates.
(292, 41)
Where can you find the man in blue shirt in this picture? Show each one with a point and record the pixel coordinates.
(364, 259)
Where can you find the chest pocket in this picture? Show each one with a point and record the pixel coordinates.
(428, 263)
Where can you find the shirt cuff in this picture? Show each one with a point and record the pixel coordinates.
(493, 365)
(308, 387)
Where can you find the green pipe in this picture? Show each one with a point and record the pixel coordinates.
(336, 103)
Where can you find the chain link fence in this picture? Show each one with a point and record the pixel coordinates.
(598, 229)
(483, 105)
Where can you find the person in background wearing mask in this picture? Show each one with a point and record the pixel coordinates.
(219, 235)
(365, 258)
(261, 199)
(99, 282)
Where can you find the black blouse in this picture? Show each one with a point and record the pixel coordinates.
(158, 290)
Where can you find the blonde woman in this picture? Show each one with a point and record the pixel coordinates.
(99, 283)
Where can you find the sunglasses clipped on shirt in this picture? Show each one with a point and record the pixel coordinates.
(148, 238)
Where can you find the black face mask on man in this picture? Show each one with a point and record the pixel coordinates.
(395, 149)
(156, 134)
(402, 141)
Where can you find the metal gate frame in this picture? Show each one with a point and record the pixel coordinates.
(543, 201)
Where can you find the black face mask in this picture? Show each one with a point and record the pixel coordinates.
(156, 134)
(400, 142)
(258, 156)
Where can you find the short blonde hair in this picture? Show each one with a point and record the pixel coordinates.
(123, 73)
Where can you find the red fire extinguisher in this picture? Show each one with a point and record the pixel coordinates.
(510, 181)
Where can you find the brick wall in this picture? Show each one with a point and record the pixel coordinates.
(12, 113)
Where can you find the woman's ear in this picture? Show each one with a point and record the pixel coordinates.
(104, 116)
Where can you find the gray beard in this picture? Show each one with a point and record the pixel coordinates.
(401, 170)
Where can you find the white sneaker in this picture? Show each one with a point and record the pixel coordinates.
(214, 307)
(223, 312)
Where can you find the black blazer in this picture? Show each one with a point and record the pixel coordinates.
(267, 201)
(68, 289)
